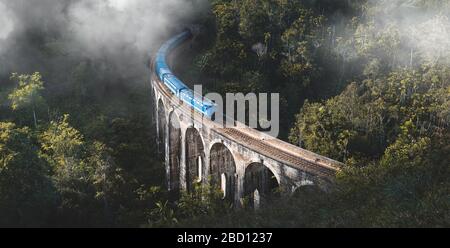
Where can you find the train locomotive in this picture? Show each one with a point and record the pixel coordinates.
(175, 85)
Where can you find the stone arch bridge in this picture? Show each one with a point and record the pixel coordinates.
(241, 160)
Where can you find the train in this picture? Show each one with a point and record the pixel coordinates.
(199, 103)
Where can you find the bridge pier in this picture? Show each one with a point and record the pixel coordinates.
(240, 176)
(167, 155)
(183, 171)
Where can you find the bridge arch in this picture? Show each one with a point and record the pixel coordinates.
(195, 158)
(305, 184)
(260, 183)
(162, 124)
(174, 153)
(307, 190)
(222, 170)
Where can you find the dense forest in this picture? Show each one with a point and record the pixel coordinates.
(365, 82)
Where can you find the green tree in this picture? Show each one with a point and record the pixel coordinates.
(367, 117)
(28, 93)
(84, 173)
(300, 41)
(27, 195)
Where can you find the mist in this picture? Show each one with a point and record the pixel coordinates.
(123, 32)
(6, 24)
(415, 30)
(136, 23)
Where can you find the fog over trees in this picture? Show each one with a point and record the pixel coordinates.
(364, 82)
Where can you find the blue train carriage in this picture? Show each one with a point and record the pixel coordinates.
(161, 72)
(186, 96)
(161, 67)
(174, 84)
(203, 105)
(209, 107)
(197, 102)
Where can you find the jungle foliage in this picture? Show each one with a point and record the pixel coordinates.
(370, 95)
(77, 138)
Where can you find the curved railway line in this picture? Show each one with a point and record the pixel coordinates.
(291, 165)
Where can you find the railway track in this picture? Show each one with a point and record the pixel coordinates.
(276, 153)
(258, 142)
(264, 147)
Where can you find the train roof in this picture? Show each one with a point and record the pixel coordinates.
(163, 69)
(175, 81)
